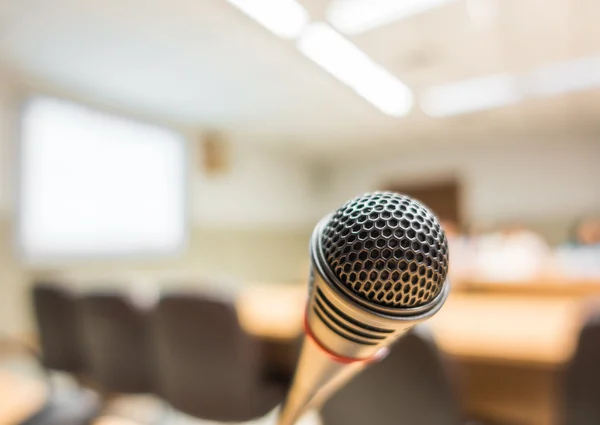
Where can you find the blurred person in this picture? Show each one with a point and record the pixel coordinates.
(587, 232)
(580, 257)
(514, 253)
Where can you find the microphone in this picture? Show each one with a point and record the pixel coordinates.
(378, 267)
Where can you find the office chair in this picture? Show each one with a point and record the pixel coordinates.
(581, 378)
(58, 328)
(209, 366)
(116, 343)
(409, 387)
(61, 350)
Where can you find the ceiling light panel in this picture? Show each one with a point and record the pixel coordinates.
(284, 18)
(334, 53)
(357, 16)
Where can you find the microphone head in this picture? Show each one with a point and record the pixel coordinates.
(387, 251)
(379, 266)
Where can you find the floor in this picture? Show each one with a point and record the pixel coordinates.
(23, 390)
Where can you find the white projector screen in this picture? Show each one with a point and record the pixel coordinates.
(93, 185)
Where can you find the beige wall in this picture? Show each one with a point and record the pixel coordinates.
(547, 184)
(250, 224)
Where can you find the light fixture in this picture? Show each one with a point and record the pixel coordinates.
(501, 90)
(564, 77)
(471, 95)
(330, 50)
(356, 16)
(482, 12)
(284, 18)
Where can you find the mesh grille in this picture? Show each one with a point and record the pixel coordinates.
(387, 249)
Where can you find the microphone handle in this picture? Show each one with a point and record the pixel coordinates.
(317, 377)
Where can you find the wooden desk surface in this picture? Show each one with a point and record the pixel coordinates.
(540, 331)
(510, 346)
(546, 286)
(273, 311)
(499, 328)
(19, 397)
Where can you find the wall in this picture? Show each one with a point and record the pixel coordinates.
(261, 188)
(7, 121)
(250, 224)
(554, 182)
(12, 298)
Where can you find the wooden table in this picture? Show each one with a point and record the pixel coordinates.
(510, 343)
(271, 311)
(534, 330)
(19, 397)
(543, 286)
(510, 351)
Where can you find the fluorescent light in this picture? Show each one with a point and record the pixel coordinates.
(564, 77)
(347, 63)
(356, 16)
(471, 95)
(284, 18)
(482, 12)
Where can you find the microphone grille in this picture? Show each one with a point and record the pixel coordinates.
(387, 249)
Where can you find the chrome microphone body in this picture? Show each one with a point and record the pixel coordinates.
(379, 266)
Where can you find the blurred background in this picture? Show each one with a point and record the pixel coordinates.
(163, 164)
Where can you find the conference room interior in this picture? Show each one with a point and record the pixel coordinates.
(164, 164)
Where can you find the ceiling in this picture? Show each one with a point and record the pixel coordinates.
(204, 64)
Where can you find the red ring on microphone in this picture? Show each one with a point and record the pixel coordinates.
(379, 355)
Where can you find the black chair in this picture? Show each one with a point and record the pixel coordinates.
(409, 387)
(61, 350)
(58, 328)
(581, 389)
(209, 366)
(117, 344)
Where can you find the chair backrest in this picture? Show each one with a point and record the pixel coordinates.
(58, 327)
(209, 366)
(581, 389)
(117, 343)
(409, 387)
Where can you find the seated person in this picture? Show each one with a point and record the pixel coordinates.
(581, 256)
(514, 253)
(587, 233)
